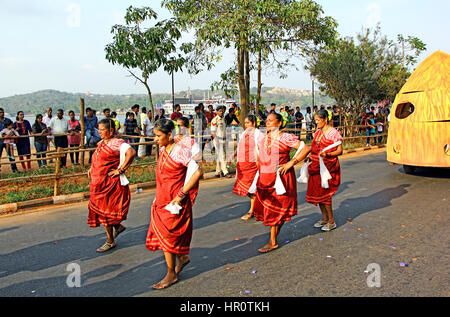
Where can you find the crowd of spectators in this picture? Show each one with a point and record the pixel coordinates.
(59, 131)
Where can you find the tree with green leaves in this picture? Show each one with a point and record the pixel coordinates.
(143, 49)
(247, 26)
(363, 71)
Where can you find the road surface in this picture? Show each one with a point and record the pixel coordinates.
(395, 222)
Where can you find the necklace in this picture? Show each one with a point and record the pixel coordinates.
(102, 145)
(166, 156)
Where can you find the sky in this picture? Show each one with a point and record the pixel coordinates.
(59, 44)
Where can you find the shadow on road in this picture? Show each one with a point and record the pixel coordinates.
(429, 172)
(8, 229)
(139, 279)
(53, 253)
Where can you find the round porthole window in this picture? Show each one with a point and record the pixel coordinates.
(447, 149)
(404, 110)
(397, 149)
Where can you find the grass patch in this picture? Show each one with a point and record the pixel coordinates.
(17, 195)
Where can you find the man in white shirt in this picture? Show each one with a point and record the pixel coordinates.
(46, 120)
(309, 125)
(148, 132)
(60, 125)
(218, 132)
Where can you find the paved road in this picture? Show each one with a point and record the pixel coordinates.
(384, 216)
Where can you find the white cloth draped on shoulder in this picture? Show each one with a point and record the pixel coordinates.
(123, 151)
(324, 173)
(192, 168)
(279, 187)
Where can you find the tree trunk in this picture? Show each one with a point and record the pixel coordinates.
(258, 93)
(242, 82)
(245, 107)
(151, 100)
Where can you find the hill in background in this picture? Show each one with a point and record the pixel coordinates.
(37, 102)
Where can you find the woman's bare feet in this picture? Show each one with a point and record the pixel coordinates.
(268, 247)
(167, 281)
(247, 216)
(182, 262)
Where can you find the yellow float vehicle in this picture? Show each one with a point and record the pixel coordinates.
(419, 126)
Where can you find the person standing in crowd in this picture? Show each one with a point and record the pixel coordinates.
(298, 121)
(316, 194)
(91, 131)
(231, 117)
(4, 123)
(6, 133)
(246, 167)
(40, 131)
(177, 113)
(59, 127)
(284, 113)
(291, 116)
(314, 124)
(200, 123)
(309, 124)
(48, 116)
(336, 117)
(210, 114)
(108, 115)
(262, 113)
(219, 134)
(379, 122)
(275, 205)
(148, 133)
(23, 127)
(74, 138)
(143, 116)
(161, 115)
(273, 108)
(110, 197)
(131, 129)
(176, 189)
(369, 122)
(137, 117)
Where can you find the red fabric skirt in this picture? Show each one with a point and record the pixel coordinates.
(167, 232)
(270, 208)
(246, 173)
(315, 193)
(109, 201)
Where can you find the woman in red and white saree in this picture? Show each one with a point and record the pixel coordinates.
(177, 179)
(109, 192)
(276, 195)
(327, 144)
(246, 167)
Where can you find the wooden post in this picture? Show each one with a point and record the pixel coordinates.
(57, 169)
(82, 129)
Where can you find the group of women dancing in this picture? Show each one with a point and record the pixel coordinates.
(264, 173)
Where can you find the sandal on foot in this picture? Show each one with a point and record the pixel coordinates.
(267, 250)
(247, 216)
(320, 224)
(117, 232)
(160, 286)
(107, 246)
